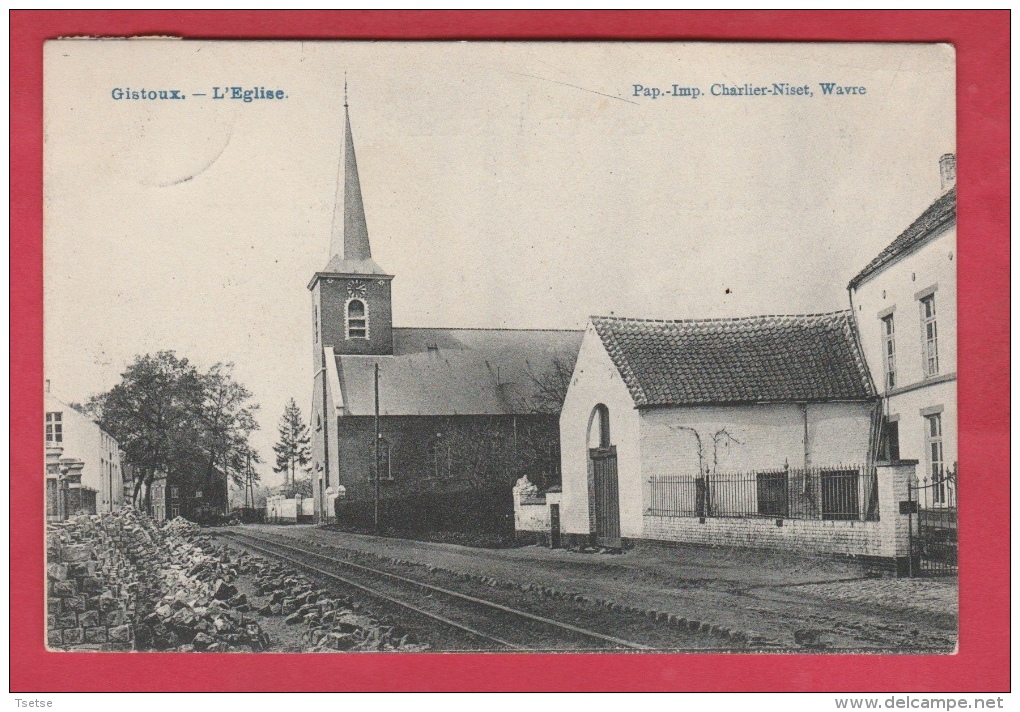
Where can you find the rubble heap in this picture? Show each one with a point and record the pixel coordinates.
(119, 581)
(330, 622)
(191, 603)
(91, 583)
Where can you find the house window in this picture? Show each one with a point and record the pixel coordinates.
(198, 494)
(840, 499)
(933, 435)
(385, 467)
(931, 336)
(889, 350)
(54, 427)
(357, 319)
(175, 511)
(174, 492)
(315, 322)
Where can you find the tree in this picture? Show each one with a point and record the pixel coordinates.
(228, 419)
(720, 436)
(549, 386)
(173, 421)
(292, 450)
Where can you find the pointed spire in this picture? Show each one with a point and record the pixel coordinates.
(349, 239)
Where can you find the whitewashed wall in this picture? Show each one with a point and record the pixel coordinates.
(895, 288)
(596, 380)
(764, 436)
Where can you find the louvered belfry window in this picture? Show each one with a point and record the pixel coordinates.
(357, 319)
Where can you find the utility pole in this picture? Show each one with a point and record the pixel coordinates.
(249, 484)
(377, 436)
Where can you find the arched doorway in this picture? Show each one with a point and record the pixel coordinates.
(604, 484)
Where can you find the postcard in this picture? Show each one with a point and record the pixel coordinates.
(499, 346)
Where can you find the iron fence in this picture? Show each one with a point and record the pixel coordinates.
(933, 523)
(841, 492)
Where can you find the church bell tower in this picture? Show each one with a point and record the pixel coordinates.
(351, 305)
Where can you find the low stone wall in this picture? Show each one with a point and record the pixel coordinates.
(533, 515)
(281, 510)
(885, 538)
(852, 538)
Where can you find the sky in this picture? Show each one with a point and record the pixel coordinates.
(516, 185)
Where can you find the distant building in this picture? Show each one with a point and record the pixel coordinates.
(905, 304)
(667, 422)
(82, 441)
(460, 409)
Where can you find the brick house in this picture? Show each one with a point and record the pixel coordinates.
(460, 409)
(905, 304)
(671, 427)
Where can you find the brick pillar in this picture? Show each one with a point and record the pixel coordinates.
(54, 503)
(71, 494)
(894, 478)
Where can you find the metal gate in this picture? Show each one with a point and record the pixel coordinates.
(933, 525)
(607, 498)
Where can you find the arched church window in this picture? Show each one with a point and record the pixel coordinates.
(357, 319)
(438, 458)
(385, 464)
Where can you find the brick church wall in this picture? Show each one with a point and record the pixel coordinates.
(481, 453)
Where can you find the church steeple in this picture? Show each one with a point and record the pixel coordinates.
(352, 310)
(350, 230)
(349, 248)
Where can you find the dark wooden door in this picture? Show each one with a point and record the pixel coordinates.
(607, 498)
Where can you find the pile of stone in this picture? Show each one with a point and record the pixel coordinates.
(91, 584)
(120, 581)
(328, 622)
(181, 527)
(194, 604)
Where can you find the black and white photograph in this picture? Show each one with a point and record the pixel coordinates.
(428, 347)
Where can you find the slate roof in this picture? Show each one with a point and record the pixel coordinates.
(457, 371)
(939, 214)
(761, 359)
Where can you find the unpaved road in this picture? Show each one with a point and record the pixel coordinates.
(795, 601)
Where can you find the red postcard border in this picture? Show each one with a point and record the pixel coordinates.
(982, 42)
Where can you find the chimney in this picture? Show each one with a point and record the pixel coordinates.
(947, 170)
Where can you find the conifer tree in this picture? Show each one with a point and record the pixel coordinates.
(292, 450)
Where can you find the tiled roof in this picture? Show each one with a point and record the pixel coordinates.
(460, 372)
(940, 213)
(761, 359)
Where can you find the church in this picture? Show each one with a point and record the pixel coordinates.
(462, 413)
